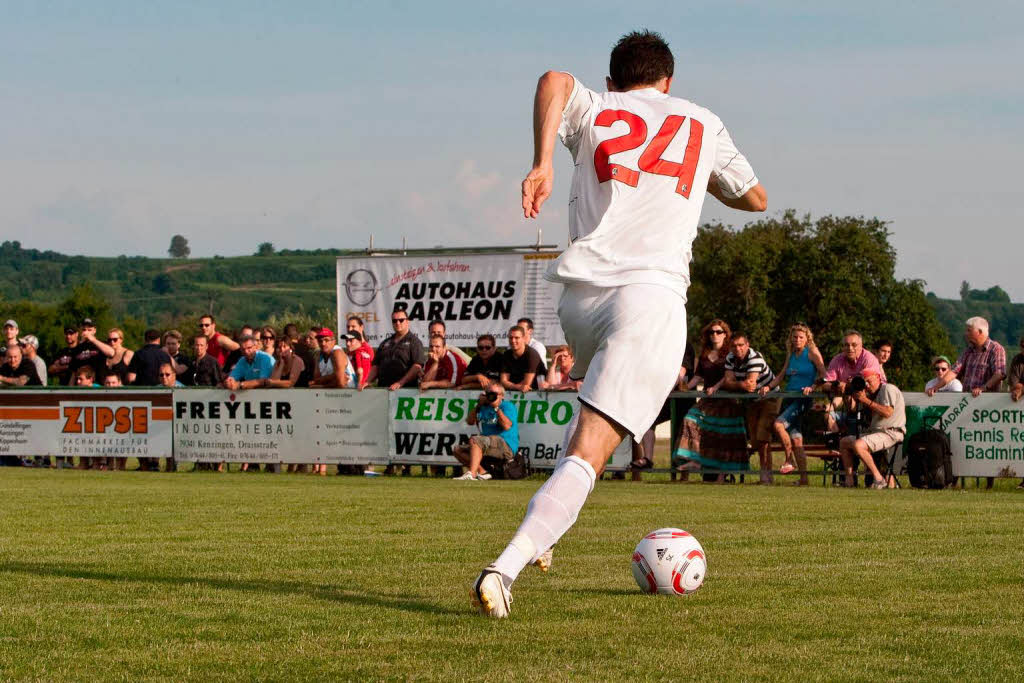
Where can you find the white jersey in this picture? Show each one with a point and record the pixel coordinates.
(643, 162)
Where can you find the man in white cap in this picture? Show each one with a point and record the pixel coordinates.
(30, 347)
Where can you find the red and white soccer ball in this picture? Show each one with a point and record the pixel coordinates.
(670, 562)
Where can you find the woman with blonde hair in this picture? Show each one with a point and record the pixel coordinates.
(804, 365)
(118, 363)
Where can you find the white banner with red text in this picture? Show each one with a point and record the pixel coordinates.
(114, 423)
(423, 427)
(473, 294)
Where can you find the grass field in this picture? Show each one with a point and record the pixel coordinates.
(111, 575)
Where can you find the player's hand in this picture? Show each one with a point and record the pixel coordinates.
(536, 189)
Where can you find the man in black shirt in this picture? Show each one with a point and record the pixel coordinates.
(485, 367)
(521, 365)
(17, 370)
(206, 371)
(61, 366)
(91, 351)
(400, 357)
(144, 370)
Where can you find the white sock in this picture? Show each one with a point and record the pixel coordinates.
(552, 511)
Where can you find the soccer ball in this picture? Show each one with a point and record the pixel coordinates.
(670, 562)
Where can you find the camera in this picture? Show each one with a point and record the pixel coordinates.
(491, 396)
(855, 386)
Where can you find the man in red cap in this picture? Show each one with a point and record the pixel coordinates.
(332, 368)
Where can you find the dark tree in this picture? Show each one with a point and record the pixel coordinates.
(179, 247)
(265, 249)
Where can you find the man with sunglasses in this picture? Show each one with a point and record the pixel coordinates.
(644, 162)
(485, 367)
(217, 345)
(399, 358)
(941, 366)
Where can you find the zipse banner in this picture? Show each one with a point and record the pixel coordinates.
(985, 433)
(423, 427)
(473, 294)
(116, 423)
(339, 426)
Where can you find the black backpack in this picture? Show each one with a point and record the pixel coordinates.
(929, 460)
(518, 467)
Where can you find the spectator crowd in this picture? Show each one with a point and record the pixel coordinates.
(864, 413)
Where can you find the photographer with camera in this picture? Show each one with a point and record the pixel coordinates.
(843, 367)
(499, 434)
(883, 403)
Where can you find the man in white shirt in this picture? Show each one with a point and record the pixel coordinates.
(644, 161)
(531, 341)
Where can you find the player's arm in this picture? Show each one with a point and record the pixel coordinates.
(553, 91)
(754, 199)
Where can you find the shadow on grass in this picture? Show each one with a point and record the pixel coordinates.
(318, 592)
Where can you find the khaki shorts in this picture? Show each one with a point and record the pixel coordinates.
(879, 441)
(493, 446)
(760, 418)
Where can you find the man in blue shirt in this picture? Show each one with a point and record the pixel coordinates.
(499, 433)
(253, 368)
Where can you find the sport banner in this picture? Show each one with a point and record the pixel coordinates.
(986, 433)
(423, 427)
(117, 423)
(338, 426)
(473, 294)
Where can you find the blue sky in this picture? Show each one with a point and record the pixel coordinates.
(320, 124)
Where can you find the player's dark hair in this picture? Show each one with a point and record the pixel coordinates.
(640, 58)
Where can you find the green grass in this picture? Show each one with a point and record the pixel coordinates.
(111, 575)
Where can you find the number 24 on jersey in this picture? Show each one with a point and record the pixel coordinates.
(650, 161)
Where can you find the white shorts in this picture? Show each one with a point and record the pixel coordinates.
(628, 343)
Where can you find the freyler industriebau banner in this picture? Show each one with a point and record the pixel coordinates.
(473, 294)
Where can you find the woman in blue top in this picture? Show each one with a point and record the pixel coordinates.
(804, 365)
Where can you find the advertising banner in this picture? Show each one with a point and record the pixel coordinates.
(424, 426)
(986, 433)
(338, 426)
(117, 423)
(473, 294)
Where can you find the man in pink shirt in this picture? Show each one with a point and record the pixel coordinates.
(854, 360)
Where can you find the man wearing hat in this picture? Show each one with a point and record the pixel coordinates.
(399, 358)
(884, 403)
(91, 351)
(360, 356)
(941, 367)
(332, 368)
(30, 348)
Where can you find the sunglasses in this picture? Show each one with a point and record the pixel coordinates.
(167, 374)
(941, 368)
(268, 338)
(398, 320)
(111, 340)
(484, 347)
(716, 331)
(205, 324)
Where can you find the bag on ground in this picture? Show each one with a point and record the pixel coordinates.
(929, 460)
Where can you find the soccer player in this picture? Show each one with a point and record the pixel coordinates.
(643, 160)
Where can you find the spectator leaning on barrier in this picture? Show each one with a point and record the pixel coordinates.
(17, 370)
(207, 372)
(144, 370)
(485, 367)
(288, 368)
(399, 358)
(499, 434)
(941, 367)
(444, 369)
(182, 363)
(218, 345)
(747, 370)
(234, 356)
(843, 367)
(30, 349)
(521, 367)
(1015, 380)
(253, 369)
(113, 381)
(887, 428)
(360, 356)
(982, 365)
(438, 327)
(558, 377)
(531, 341)
(332, 368)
